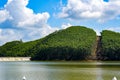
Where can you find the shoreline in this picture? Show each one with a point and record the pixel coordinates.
(15, 58)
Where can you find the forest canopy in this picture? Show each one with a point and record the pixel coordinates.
(73, 43)
(110, 49)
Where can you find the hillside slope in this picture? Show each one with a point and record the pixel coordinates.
(6, 48)
(17, 49)
(110, 48)
(73, 43)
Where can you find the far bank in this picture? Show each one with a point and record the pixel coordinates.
(15, 58)
(70, 44)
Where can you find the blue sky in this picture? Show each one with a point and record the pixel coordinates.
(32, 19)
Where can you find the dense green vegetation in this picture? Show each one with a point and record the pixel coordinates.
(17, 48)
(73, 43)
(6, 48)
(110, 49)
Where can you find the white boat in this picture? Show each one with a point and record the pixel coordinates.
(114, 78)
(24, 78)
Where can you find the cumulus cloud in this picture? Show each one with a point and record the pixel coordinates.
(29, 25)
(91, 9)
(23, 16)
(4, 15)
(9, 35)
(97, 32)
(117, 29)
(64, 26)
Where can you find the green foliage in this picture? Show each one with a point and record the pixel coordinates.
(110, 45)
(73, 43)
(6, 48)
(17, 48)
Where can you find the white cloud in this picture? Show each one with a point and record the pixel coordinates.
(117, 29)
(41, 32)
(4, 15)
(91, 9)
(31, 25)
(9, 35)
(97, 32)
(64, 26)
(23, 16)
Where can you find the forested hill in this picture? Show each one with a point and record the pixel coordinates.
(110, 48)
(73, 43)
(17, 49)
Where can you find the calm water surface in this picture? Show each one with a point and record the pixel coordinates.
(59, 70)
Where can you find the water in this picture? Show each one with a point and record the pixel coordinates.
(59, 70)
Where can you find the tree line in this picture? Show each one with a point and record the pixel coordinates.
(110, 48)
(73, 43)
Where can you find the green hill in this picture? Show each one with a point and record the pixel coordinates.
(17, 48)
(6, 48)
(110, 49)
(73, 43)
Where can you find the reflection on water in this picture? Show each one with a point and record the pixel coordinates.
(59, 70)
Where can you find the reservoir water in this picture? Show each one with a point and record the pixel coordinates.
(59, 70)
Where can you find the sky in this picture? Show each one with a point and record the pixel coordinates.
(33, 19)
